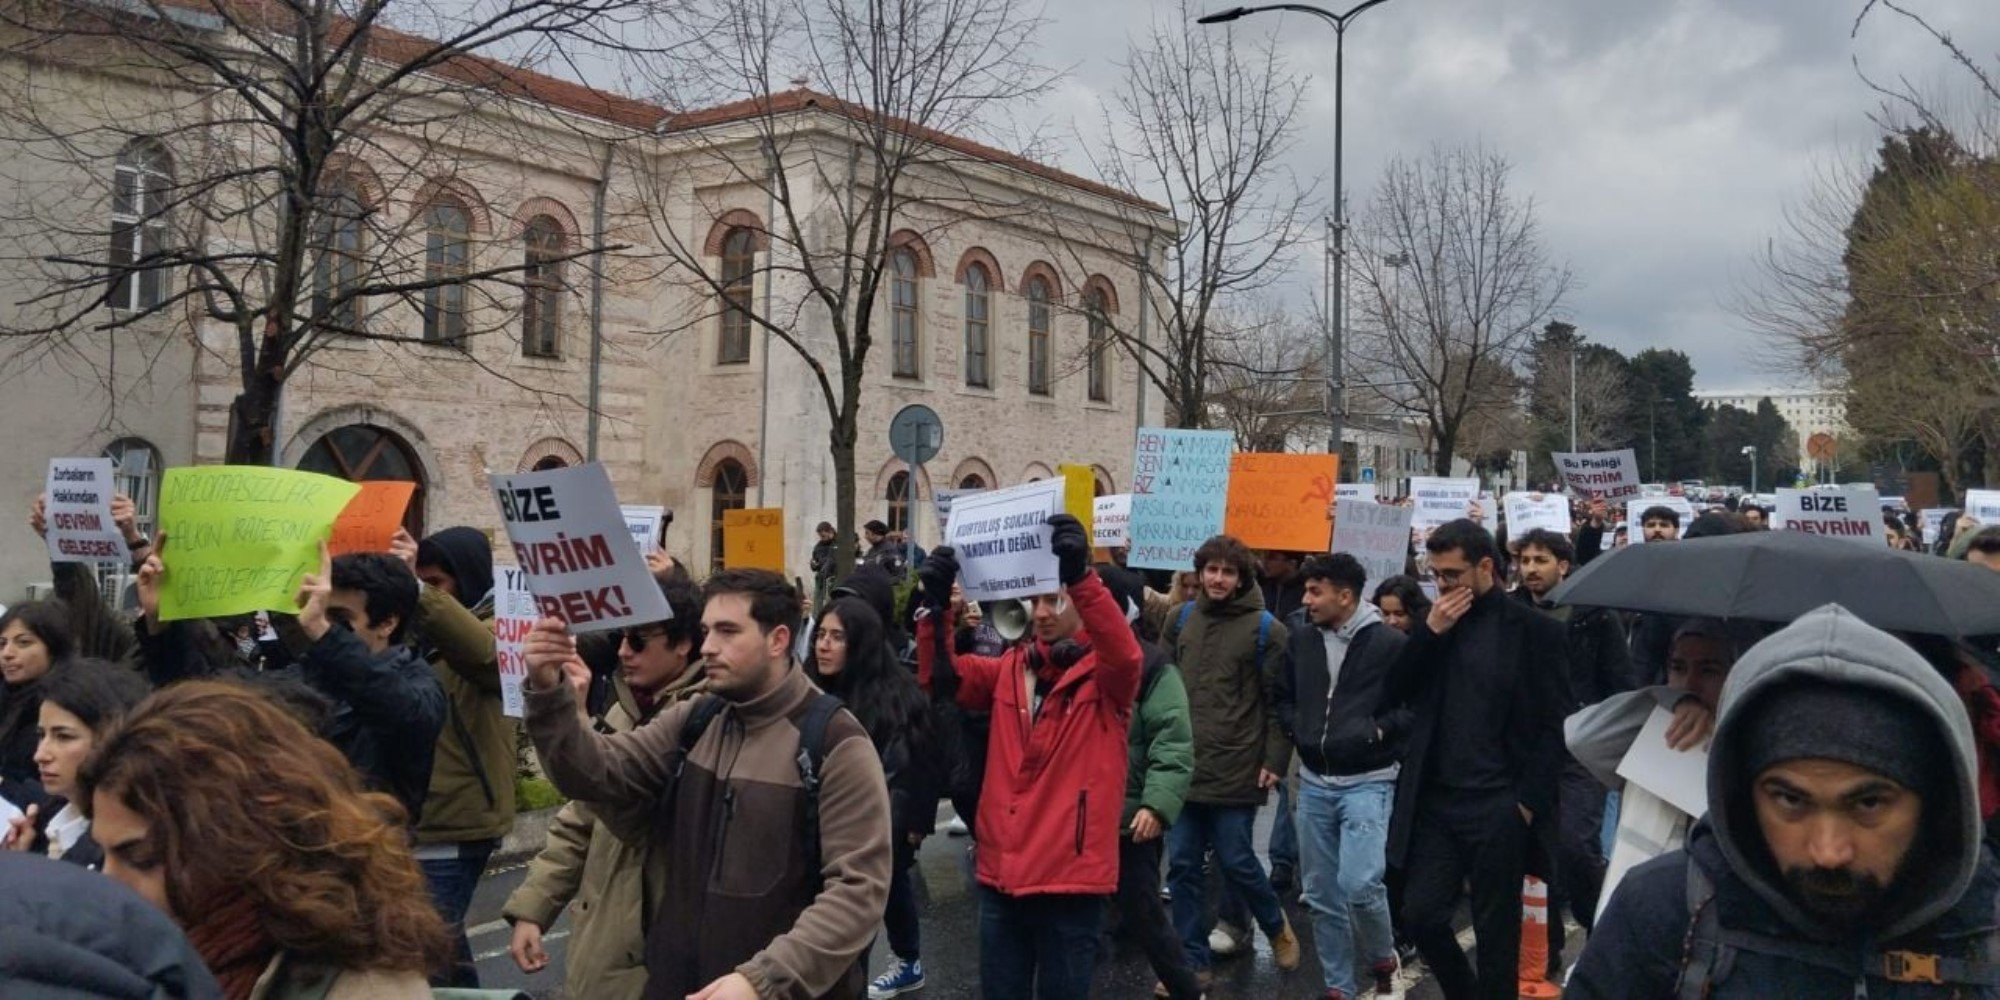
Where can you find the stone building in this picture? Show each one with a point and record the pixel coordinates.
(618, 357)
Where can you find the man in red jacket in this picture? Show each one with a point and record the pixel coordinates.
(1051, 801)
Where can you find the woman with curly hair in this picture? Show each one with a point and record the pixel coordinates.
(259, 839)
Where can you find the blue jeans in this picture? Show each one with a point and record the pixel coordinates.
(1344, 840)
(1037, 946)
(1284, 843)
(1227, 830)
(451, 881)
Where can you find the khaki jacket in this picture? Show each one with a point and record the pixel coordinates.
(611, 887)
(459, 806)
(288, 980)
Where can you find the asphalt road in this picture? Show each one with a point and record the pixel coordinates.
(950, 942)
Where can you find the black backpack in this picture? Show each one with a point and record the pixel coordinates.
(811, 757)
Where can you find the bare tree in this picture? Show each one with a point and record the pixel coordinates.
(259, 148)
(870, 149)
(1454, 281)
(1202, 123)
(1265, 379)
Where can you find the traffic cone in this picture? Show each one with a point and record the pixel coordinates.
(1534, 982)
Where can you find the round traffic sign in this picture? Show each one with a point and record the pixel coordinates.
(916, 434)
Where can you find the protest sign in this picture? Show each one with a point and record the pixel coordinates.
(1279, 501)
(943, 499)
(77, 509)
(369, 521)
(514, 616)
(582, 564)
(1376, 535)
(1079, 492)
(1002, 541)
(754, 538)
(1180, 495)
(1355, 491)
(1528, 511)
(1930, 524)
(1851, 511)
(1438, 500)
(1635, 515)
(1489, 512)
(239, 537)
(1983, 505)
(1599, 475)
(1111, 517)
(643, 522)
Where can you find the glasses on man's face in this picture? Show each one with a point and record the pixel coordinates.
(636, 637)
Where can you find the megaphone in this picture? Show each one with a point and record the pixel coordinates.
(1011, 618)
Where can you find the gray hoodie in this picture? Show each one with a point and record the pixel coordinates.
(1831, 644)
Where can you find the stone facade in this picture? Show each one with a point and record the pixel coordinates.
(675, 425)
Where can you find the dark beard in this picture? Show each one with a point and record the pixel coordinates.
(1836, 896)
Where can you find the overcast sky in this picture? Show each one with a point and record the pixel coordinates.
(1660, 139)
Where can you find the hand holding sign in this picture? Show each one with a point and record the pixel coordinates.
(546, 649)
(404, 547)
(147, 584)
(315, 592)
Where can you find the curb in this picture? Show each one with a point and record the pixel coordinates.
(526, 839)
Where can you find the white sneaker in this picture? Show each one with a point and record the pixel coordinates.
(1226, 941)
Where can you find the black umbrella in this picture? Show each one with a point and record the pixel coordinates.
(1776, 576)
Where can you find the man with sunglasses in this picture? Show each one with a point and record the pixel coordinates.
(1488, 681)
(584, 863)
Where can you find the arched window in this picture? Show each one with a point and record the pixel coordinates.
(898, 497)
(978, 368)
(1094, 310)
(338, 238)
(973, 481)
(542, 287)
(903, 311)
(547, 462)
(739, 262)
(139, 184)
(728, 493)
(1038, 336)
(359, 452)
(447, 258)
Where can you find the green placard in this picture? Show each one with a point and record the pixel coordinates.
(238, 537)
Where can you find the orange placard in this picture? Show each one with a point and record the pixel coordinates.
(754, 538)
(1279, 501)
(370, 519)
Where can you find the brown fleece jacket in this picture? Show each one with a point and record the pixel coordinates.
(739, 896)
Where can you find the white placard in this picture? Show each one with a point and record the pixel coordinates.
(1001, 538)
(1111, 521)
(1678, 776)
(1853, 511)
(581, 562)
(1489, 512)
(1376, 535)
(942, 500)
(1635, 515)
(1356, 491)
(1983, 505)
(1930, 524)
(1599, 475)
(1438, 500)
(514, 615)
(78, 511)
(643, 521)
(1528, 511)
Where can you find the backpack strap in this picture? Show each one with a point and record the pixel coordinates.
(1264, 621)
(705, 711)
(812, 761)
(1705, 959)
(1181, 625)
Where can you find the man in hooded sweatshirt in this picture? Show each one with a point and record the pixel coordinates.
(1841, 852)
(470, 805)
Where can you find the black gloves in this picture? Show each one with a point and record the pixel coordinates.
(938, 573)
(1072, 547)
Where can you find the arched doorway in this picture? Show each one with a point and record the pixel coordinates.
(359, 452)
(729, 492)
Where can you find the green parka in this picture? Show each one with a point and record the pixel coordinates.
(1160, 743)
(471, 795)
(1230, 697)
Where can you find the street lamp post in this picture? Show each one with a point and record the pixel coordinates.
(1751, 450)
(1336, 401)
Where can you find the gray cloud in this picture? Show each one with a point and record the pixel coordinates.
(1661, 142)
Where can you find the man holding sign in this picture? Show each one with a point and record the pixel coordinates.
(1050, 807)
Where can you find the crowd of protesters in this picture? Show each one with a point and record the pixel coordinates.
(310, 798)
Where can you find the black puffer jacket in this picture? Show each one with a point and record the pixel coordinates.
(388, 712)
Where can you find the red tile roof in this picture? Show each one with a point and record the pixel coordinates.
(513, 81)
